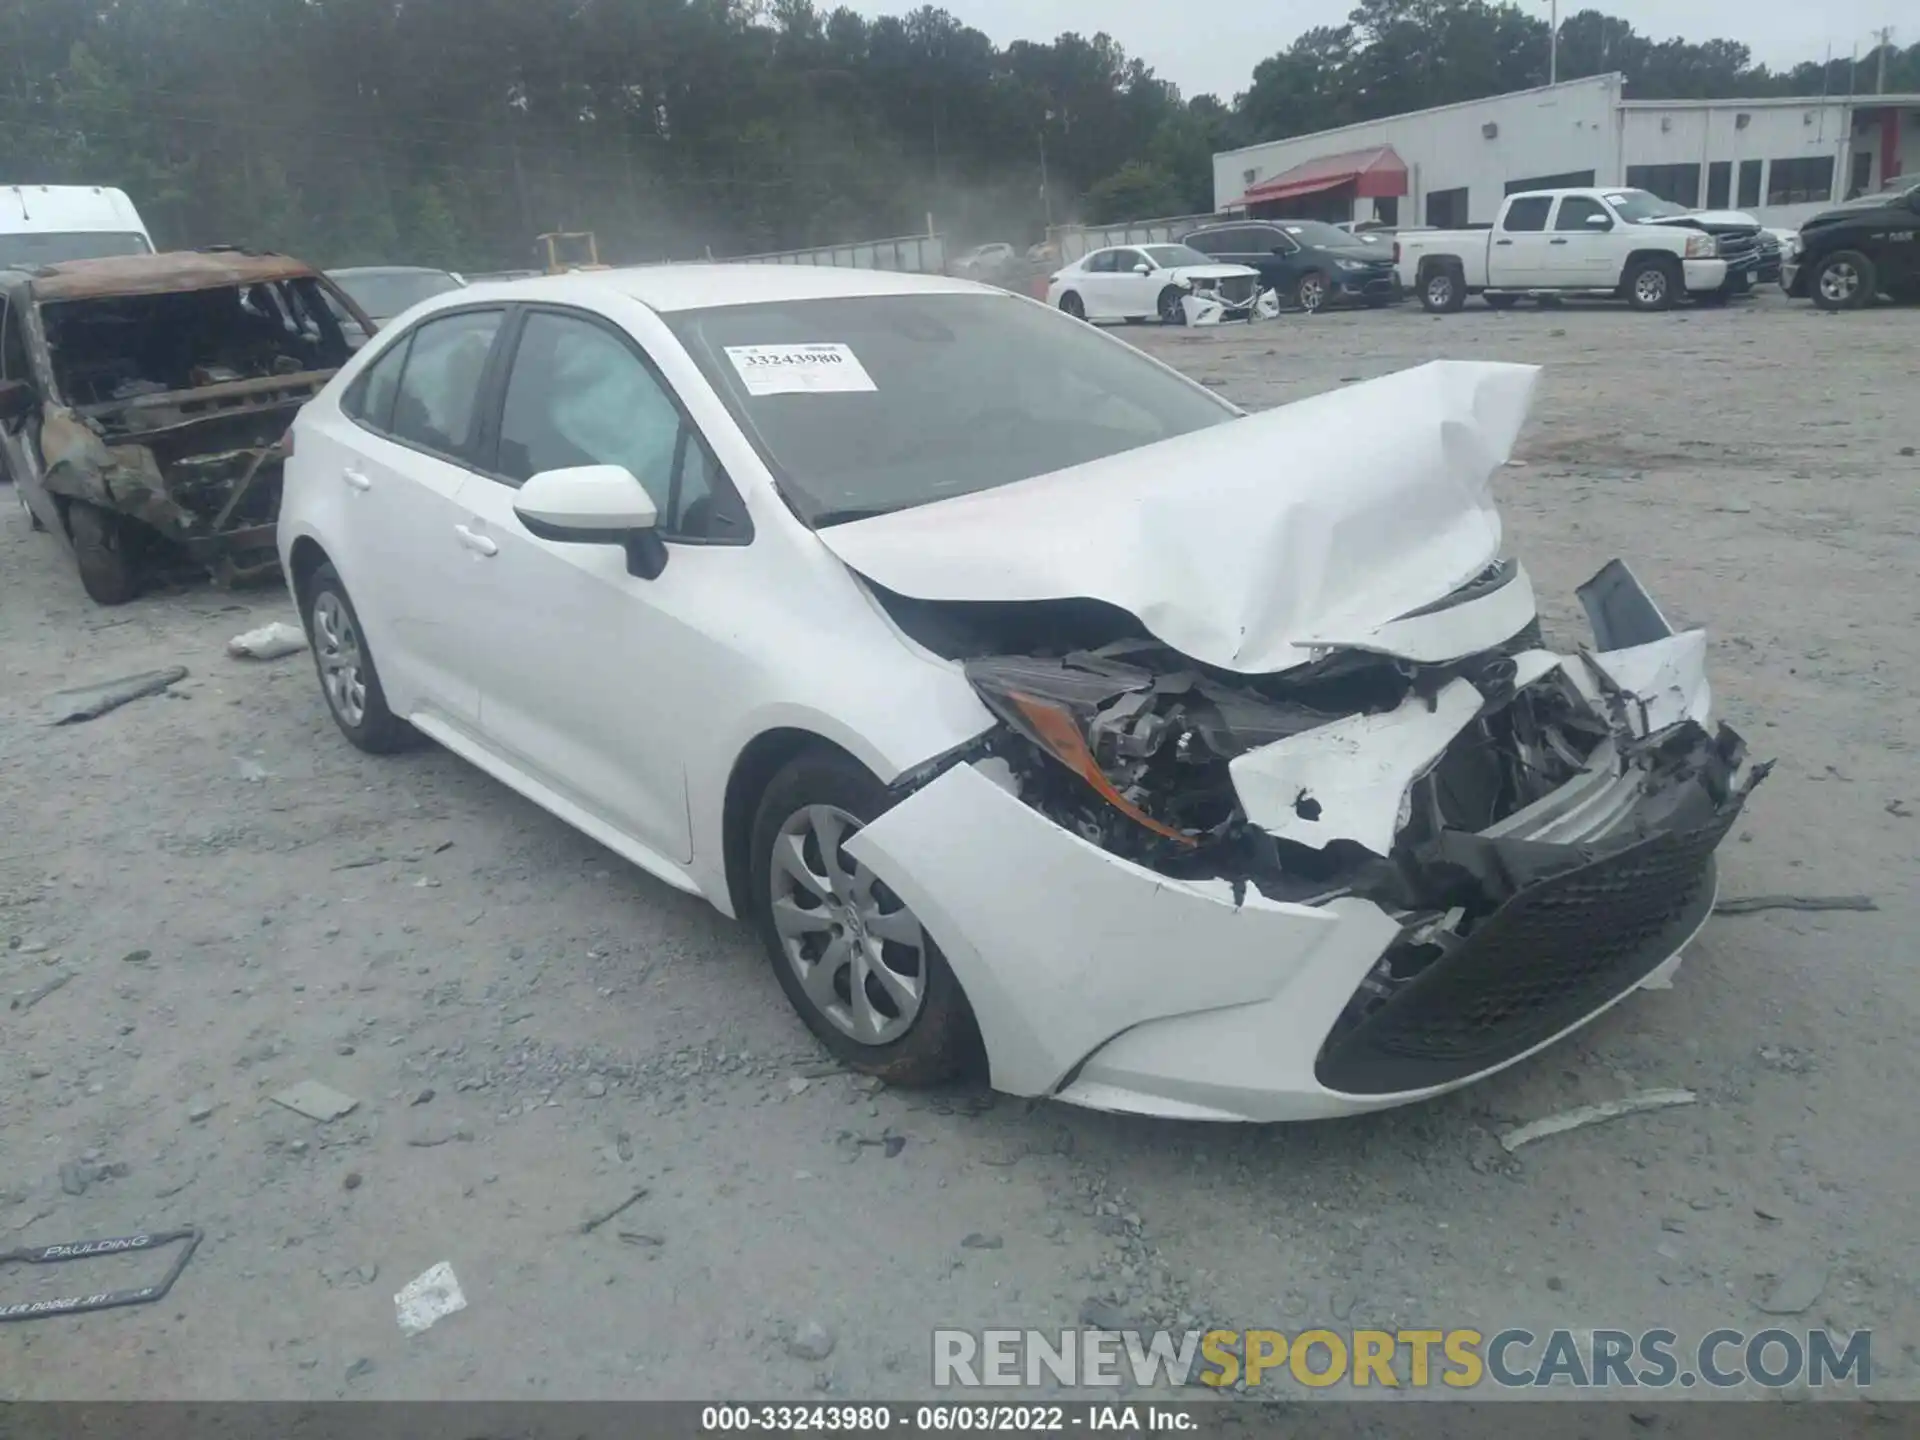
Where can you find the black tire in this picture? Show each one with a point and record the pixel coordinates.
(1070, 304)
(1443, 290)
(1169, 308)
(103, 549)
(1844, 280)
(1312, 291)
(1501, 302)
(1654, 284)
(940, 1036)
(330, 619)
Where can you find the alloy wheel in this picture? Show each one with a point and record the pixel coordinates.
(1840, 281)
(342, 671)
(1313, 291)
(1439, 291)
(1651, 286)
(858, 952)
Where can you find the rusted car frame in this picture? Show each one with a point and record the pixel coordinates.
(161, 388)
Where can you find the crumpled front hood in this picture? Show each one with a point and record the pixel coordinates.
(1248, 544)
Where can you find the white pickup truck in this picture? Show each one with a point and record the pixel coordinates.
(1548, 243)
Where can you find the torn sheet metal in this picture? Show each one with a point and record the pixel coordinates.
(1350, 780)
(1242, 544)
(1060, 945)
(1203, 309)
(1667, 677)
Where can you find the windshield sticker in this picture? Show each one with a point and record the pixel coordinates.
(815, 369)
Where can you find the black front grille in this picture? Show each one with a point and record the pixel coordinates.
(1238, 289)
(1550, 956)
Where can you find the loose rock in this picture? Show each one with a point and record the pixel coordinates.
(810, 1340)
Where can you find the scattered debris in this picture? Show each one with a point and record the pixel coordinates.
(892, 1145)
(90, 702)
(316, 1101)
(810, 1341)
(1592, 1115)
(977, 1241)
(362, 1366)
(362, 863)
(594, 1222)
(269, 642)
(423, 1097)
(634, 1237)
(93, 1249)
(596, 1089)
(1899, 808)
(798, 1085)
(136, 957)
(429, 1297)
(352, 1182)
(75, 1177)
(199, 1110)
(1103, 1315)
(1795, 1289)
(34, 996)
(430, 1136)
(1748, 904)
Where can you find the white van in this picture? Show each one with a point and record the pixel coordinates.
(44, 224)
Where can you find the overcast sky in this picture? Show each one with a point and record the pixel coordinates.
(1215, 47)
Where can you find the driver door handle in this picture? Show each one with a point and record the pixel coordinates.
(1556, 242)
(355, 479)
(479, 544)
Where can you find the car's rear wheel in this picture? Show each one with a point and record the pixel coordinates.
(1443, 291)
(1172, 312)
(1845, 280)
(854, 960)
(345, 665)
(103, 549)
(1070, 303)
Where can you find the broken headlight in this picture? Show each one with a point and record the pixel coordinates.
(1055, 707)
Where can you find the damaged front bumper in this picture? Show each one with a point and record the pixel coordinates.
(1389, 956)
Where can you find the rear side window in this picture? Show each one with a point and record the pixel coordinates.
(1101, 262)
(1529, 213)
(370, 398)
(440, 386)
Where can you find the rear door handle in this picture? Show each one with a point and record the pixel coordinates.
(479, 544)
(355, 479)
(1556, 242)
(1503, 242)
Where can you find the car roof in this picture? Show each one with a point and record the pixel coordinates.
(352, 271)
(169, 272)
(669, 288)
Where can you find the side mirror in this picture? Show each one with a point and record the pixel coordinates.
(16, 401)
(595, 505)
(1143, 268)
(1599, 222)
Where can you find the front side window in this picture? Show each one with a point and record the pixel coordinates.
(1576, 211)
(880, 403)
(580, 395)
(440, 388)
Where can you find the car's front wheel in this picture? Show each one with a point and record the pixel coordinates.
(1845, 280)
(1654, 284)
(1070, 304)
(853, 959)
(1170, 310)
(347, 675)
(1310, 294)
(103, 547)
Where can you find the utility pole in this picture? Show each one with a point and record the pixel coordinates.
(1046, 194)
(1885, 36)
(1553, 42)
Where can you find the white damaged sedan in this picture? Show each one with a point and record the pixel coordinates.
(1027, 698)
(1149, 282)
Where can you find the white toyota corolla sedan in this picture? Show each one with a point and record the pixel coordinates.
(1028, 698)
(1146, 282)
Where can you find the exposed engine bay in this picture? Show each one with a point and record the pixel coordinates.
(1132, 746)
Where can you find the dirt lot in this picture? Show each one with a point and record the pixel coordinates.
(535, 1032)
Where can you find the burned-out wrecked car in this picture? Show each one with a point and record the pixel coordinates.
(144, 400)
(1017, 688)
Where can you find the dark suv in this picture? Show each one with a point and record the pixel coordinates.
(1309, 262)
(1849, 256)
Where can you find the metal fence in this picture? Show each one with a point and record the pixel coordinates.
(1072, 241)
(918, 254)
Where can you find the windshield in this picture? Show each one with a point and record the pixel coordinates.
(1315, 232)
(1171, 257)
(1635, 206)
(385, 295)
(51, 247)
(869, 404)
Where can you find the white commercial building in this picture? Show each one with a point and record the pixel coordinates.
(1783, 159)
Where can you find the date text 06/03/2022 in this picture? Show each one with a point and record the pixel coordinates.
(943, 1418)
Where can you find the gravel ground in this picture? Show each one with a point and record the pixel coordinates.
(536, 1032)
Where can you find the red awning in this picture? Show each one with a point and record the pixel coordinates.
(1374, 174)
